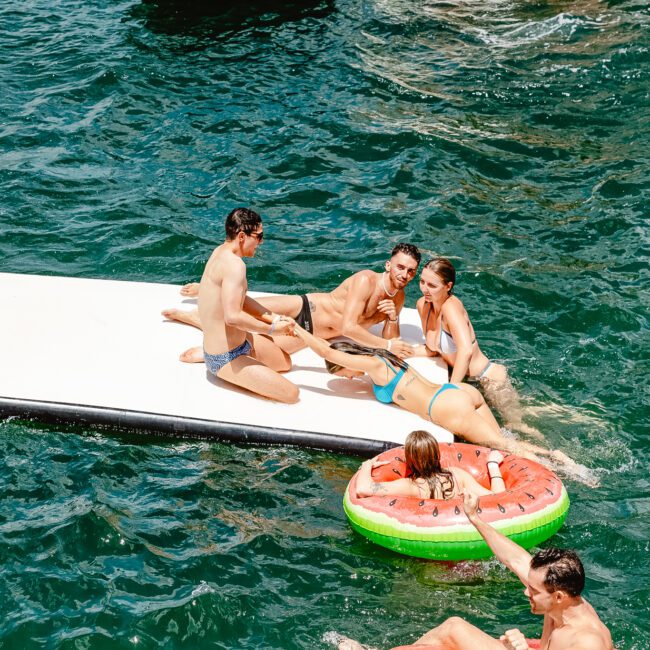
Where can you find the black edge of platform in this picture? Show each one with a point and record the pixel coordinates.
(181, 427)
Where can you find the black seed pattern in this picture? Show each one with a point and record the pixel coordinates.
(421, 503)
(549, 491)
(478, 453)
(479, 510)
(400, 460)
(521, 507)
(459, 456)
(457, 510)
(435, 511)
(392, 503)
(530, 496)
(501, 508)
(396, 471)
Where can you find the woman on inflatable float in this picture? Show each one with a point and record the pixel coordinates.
(459, 408)
(427, 478)
(410, 500)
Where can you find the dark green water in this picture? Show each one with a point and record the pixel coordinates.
(510, 136)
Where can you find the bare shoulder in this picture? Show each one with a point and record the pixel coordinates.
(452, 305)
(362, 282)
(591, 635)
(419, 305)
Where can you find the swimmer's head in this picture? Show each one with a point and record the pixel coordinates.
(422, 454)
(422, 457)
(563, 570)
(242, 220)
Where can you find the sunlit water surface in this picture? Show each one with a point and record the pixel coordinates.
(510, 136)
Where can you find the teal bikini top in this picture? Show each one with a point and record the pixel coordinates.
(384, 394)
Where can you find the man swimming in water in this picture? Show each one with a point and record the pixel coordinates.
(230, 317)
(554, 579)
(359, 302)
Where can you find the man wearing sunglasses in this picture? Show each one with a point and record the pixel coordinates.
(230, 317)
(364, 299)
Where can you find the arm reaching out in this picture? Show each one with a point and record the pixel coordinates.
(323, 349)
(368, 487)
(506, 551)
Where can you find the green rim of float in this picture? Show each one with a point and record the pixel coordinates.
(439, 530)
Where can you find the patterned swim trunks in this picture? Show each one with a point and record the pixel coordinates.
(215, 362)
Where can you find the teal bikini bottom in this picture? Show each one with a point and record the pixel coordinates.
(442, 389)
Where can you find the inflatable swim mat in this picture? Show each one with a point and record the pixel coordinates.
(99, 352)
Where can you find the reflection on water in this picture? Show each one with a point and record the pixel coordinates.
(206, 18)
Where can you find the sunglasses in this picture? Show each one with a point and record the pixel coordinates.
(258, 235)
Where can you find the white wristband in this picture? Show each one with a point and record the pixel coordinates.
(390, 344)
(274, 322)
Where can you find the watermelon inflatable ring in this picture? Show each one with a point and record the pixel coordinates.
(532, 508)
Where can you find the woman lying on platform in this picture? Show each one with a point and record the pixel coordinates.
(460, 408)
(428, 479)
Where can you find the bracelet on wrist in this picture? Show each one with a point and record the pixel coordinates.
(393, 320)
(496, 476)
(496, 462)
(274, 322)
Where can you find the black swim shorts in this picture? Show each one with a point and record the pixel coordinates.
(304, 317)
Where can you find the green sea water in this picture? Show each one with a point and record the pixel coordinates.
(511, 136)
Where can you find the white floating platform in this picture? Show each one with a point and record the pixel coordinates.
(99, 352)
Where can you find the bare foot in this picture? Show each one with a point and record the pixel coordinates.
(190, 290)
(182, 316)
(192, 355)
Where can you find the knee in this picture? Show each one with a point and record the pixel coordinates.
(291, 394)
(451, 628)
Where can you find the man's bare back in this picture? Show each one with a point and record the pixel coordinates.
(218, 337)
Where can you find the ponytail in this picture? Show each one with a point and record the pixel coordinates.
(354, 348)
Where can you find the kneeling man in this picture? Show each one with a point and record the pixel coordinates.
(229, 317)
(554, 579)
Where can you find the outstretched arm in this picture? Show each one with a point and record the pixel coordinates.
(323, 349)
(367, 487)
(512, 555)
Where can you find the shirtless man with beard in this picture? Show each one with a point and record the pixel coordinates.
(359, 302)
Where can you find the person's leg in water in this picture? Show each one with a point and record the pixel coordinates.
(457, 634)
(454, 410)
(504, 399)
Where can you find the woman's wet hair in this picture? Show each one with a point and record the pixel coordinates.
(444, 268)
(354, 348)
(564, 570)
(422, 456)
(242, 220)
